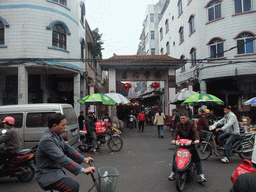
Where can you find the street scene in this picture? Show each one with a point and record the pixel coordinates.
(149, 95)
(144, 164)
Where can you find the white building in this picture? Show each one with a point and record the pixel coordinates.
(149, 36)
(42, 47)
(217, 38)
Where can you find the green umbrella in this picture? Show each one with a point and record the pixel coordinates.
(96, 99)
(202, 99)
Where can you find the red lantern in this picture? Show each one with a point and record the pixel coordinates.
(155, 85)
(127, 86)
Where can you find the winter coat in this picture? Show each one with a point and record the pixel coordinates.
(90, 124)
(230, 123)
(159, 119)
(52, 154)
(12, 140)
(141, 117)
(186, 130)
(203, 123)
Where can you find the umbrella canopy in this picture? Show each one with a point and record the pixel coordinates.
(202, 99)
(96, 99)
(119, 98)
(251, 102)
(181, 96)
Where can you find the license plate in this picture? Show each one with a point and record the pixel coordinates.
(74, 133)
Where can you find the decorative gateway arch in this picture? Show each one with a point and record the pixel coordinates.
(143, 68)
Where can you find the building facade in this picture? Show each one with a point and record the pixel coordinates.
(217, 39)
(149, 36)
(42, 52)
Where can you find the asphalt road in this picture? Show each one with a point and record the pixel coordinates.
(144, 164)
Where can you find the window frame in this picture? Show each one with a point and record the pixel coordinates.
(59, 34)
(152, 17)
(2, 30)
(161, 34)
(153, 50)
(152, 35)
(180, 11)
(213, 5)
(191, 22)
(193, 57)
(167, 47)
(5, 25)
(242, 36)
(167, 26)
(242, 6)
(215, 43)
(181, 34)
(60, 4)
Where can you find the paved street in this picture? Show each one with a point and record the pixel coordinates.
(144, 164)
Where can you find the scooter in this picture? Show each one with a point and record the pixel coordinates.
(185, 168)
(20, 165)
(104, 133)
(130, 122)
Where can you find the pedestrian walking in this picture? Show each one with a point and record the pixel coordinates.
(141, 119)
(159, 121)
(81, 120)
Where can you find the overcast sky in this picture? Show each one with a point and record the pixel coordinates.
(119, 22)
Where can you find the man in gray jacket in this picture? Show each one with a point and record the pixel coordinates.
(53, 153)
(231, 131)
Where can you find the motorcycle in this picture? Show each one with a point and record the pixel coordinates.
(185, 168)
(130, 122)
(105, 133)
(19, 165)
(242, 146)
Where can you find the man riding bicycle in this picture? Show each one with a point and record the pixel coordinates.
(186, 129)
(232, 131)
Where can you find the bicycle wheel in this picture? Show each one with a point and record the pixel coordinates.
(115, 143)
(204, 150)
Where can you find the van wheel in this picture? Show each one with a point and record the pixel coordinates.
(84, 148)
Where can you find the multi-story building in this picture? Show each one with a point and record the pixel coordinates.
(42, 52)
(217, 38)
(149, 36)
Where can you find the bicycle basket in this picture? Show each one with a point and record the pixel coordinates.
(107, 178)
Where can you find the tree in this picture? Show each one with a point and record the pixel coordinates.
(98, 42)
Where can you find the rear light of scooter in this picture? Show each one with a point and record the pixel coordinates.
(22, 158)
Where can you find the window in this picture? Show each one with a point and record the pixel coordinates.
(193, 57)
(168, 47)
(63, 2)
(161, 33)
(70, 116)
(191, 24)
(153, 52)
(1, 33)
(82, 12)
(166, 26)
(181, 32)
(17, 116)
(38, 119)
(180, 7)
(245, 43)
(214, 10)
(216, 48)
(162, 51)
(151, 17)
(58, 36)
(152, 34)
(82, 42)
(159, 16)
(243, 6)
(182, 57)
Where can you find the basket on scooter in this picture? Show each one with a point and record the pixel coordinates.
(107, 178)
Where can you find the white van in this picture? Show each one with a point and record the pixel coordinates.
(32, 121)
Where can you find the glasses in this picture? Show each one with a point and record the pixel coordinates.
(182, 118)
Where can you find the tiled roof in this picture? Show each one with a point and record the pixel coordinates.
(141, 60)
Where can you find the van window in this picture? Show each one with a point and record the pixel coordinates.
(70, 116)
(37, 119)
(17, 116)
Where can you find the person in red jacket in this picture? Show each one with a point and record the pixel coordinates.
(141, 120)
